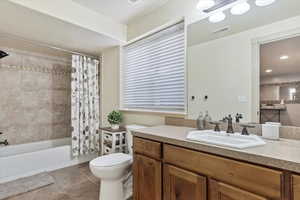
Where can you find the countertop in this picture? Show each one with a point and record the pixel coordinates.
(283, 154)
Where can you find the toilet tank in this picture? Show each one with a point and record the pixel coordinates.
(130, 129)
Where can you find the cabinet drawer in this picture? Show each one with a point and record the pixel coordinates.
(296, 187)
(259, 180)
(147, 147)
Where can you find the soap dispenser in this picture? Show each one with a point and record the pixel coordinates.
(200, 122)
(207, 119)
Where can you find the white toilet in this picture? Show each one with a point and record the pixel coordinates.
(111, 169)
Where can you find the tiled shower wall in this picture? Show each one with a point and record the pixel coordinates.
(34, 97)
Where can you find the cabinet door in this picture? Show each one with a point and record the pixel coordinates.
(147, 178)
(222, 191)
(296, 187)
(180, 184)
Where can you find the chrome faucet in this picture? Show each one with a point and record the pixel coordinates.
(5, 142)
(229, 120)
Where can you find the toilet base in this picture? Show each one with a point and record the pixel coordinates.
(111, 190)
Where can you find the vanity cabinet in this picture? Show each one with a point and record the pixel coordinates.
(168, 172)
(252, 178)
(180, 184)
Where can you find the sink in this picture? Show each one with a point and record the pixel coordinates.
(235, 140)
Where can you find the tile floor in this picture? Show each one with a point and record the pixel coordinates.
(72, 183)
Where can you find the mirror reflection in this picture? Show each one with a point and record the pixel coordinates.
(280, 82)
(247, 64)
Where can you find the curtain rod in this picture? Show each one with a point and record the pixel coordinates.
(41, 44)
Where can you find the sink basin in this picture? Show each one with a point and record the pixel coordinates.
(235, 140)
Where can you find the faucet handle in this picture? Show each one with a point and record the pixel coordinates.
(6, 142)
(245, 128)
(217, 125)
(238, 117)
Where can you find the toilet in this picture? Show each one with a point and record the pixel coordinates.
(111, 169)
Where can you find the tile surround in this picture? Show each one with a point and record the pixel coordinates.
(34, 97)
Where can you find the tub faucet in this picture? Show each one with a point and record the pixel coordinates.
(5, 142)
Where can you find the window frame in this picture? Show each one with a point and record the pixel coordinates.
(121, 85)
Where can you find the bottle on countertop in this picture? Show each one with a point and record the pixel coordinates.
(207, 119)
(200, 121)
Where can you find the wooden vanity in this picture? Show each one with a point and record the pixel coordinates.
(171, 172)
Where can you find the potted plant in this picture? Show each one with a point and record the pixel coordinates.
(115, 118)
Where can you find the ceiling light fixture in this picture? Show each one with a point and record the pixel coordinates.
(133, 1)
(205, 4)
(264, 2)
(217, 17)
(284, 57)
(240, 8)
(269, 70)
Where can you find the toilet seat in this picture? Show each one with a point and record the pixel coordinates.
(112, 160)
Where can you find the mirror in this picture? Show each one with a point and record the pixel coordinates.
(224, 65)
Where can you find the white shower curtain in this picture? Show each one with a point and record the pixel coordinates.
(85, 105)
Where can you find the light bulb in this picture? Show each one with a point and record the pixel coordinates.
(217, 17)
(240, 8)
(284, 57)
(205, 4)
(264, 2)
(269, 70)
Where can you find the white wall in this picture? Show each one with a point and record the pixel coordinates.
(109, 83)
(222, 69)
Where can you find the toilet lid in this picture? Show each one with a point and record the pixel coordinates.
(111, 160)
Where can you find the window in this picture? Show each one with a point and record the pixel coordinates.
(153, 72)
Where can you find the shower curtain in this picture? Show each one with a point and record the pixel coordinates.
(85, 105)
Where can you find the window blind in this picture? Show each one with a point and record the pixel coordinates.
(153, 72)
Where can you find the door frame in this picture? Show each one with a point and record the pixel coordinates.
(255, 78)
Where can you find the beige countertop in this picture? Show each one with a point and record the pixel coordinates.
(283, 154)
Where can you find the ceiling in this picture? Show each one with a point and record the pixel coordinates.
(271, 53)
(122, 10)
(39, 28)
(203, 30)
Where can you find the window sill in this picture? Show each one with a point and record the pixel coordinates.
(166, 113)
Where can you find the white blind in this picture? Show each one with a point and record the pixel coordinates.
(154, 72)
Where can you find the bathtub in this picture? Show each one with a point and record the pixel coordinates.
(17, 161)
